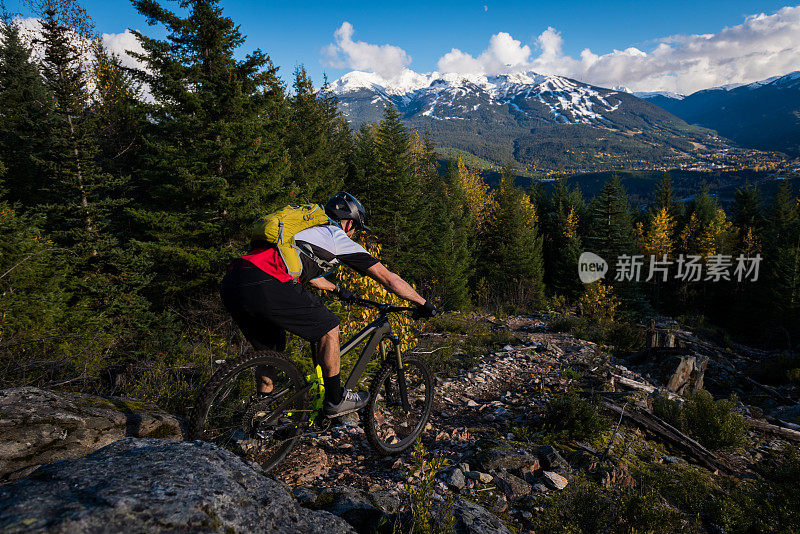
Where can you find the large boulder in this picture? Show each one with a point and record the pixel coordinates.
(149, 485)
(506, 458)
(40, 427)
(471, 518)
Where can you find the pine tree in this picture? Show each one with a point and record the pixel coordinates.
(363, 165)
(511, 259)
(664, 197)
(318, 140)
(611, 229)
(396, 194)
(387, 178)
(611, 235)
(562, 243)
(747, 209)
(118, 118)
(452, 252)
(26, 117)
(213, 159)
(782, 260)
(80, 196)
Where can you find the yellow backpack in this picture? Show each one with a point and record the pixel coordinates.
(280, 227)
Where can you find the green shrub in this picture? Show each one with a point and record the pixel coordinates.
(427, 517)
(585, 507)
(715, 424)
(570, 417)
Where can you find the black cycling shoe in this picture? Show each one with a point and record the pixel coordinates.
(351, 402)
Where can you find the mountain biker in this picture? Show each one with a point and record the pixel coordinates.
(265, 301)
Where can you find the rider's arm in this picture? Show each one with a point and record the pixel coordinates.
(322, 283)
(394, 283)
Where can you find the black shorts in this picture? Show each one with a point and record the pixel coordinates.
(264, 308)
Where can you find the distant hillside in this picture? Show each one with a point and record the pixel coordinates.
(544, 123)
(764, 115)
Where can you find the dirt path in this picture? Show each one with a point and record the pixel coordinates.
(503, 391)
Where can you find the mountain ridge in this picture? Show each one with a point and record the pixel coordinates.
(762, 115)
(543, 122)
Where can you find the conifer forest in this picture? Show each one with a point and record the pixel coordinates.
(125, 192)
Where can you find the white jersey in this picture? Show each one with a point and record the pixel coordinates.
(326, 247)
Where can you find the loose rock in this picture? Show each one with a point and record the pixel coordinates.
(554, 480)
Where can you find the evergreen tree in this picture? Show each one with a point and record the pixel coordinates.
(747, 209)
(80, 196)
(664, 197)
(363, 165)
(395, 195)
(118, 117)
(782, 261)
(611, 229)
(25, 120)
(213, 158)
(452, 248)
(387, 178)
(611, 235)
(562, 243)
(318, 140)
(511, 260)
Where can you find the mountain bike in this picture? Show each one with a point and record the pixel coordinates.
(265, 427)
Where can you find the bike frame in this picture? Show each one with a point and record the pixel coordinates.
(376, 331)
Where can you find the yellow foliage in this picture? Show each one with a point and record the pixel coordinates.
(598, 302)
(571, 227)
(658, 239)
(357, 317)
(713, 236)
(750, 242)
(479, 198)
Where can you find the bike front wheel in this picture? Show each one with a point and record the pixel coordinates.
(262, 428)
(390, 424)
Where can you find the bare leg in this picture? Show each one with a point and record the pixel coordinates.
(265, 378)
(329, 353)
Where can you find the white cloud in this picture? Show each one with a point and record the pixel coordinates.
(114, 43)
(119, 44)
(504, 54)
(386, 60)
(762, 46)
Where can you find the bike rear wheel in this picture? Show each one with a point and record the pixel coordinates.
(263, 429)
(392, 428)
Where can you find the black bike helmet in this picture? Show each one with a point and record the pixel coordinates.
(342, 206)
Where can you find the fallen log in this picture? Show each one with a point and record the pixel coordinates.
(773, 430)
(661, 428)
(641, 386)
(774, 393)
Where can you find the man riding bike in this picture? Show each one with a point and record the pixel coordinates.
(265, 300)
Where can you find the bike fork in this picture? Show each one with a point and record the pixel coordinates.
(401, 374)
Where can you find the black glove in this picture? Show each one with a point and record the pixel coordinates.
(426, 310)
(345, 295)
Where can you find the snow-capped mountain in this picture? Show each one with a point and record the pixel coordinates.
(450, 96)
(541, 121)
(763, 114)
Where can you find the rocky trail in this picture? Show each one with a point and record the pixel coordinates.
(489, 423)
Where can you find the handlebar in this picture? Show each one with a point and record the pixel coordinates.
(383, 308)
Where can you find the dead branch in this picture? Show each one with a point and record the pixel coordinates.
(661, 428)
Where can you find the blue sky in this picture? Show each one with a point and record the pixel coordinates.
(296, 34)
